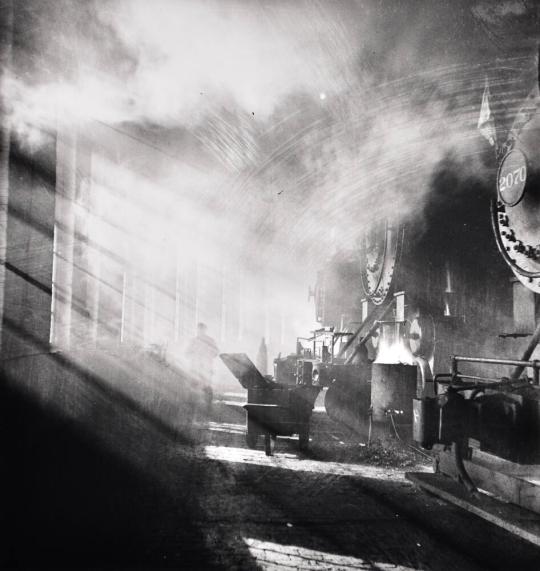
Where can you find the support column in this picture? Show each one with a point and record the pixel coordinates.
(83, 280)
(64, 239)
(6, 37)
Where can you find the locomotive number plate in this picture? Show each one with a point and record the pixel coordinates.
(512, 177)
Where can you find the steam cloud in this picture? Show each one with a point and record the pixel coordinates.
(269, 132)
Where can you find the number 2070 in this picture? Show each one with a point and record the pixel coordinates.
(516, 176)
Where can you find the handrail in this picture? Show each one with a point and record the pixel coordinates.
(493, 361)
(519, 365)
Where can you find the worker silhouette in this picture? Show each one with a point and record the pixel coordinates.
(201, 352)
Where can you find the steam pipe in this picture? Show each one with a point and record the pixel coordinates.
(364, 340)
(362, 325)
(354, 336)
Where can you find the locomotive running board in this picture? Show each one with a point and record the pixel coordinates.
(516, 484)
(512, 518)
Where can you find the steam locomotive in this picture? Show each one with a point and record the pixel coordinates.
(424, 326)
(411, 294)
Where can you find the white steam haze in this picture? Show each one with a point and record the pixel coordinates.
(265, 134)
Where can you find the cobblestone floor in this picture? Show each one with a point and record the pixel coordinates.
(291, 511)
(137, 493)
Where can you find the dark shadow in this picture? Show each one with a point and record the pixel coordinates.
(41, 161)
(28, 278)
(373, 520)
(67, 502)
(91, 477)
(364, 514)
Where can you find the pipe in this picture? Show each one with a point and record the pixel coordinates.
(491, 361)
(369, 333)
(490, 380)
(527, 354)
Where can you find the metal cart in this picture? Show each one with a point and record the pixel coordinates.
(273, 409)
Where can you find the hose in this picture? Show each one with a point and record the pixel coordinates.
(421, 452)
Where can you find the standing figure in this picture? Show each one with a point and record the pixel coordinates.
(201, 352)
